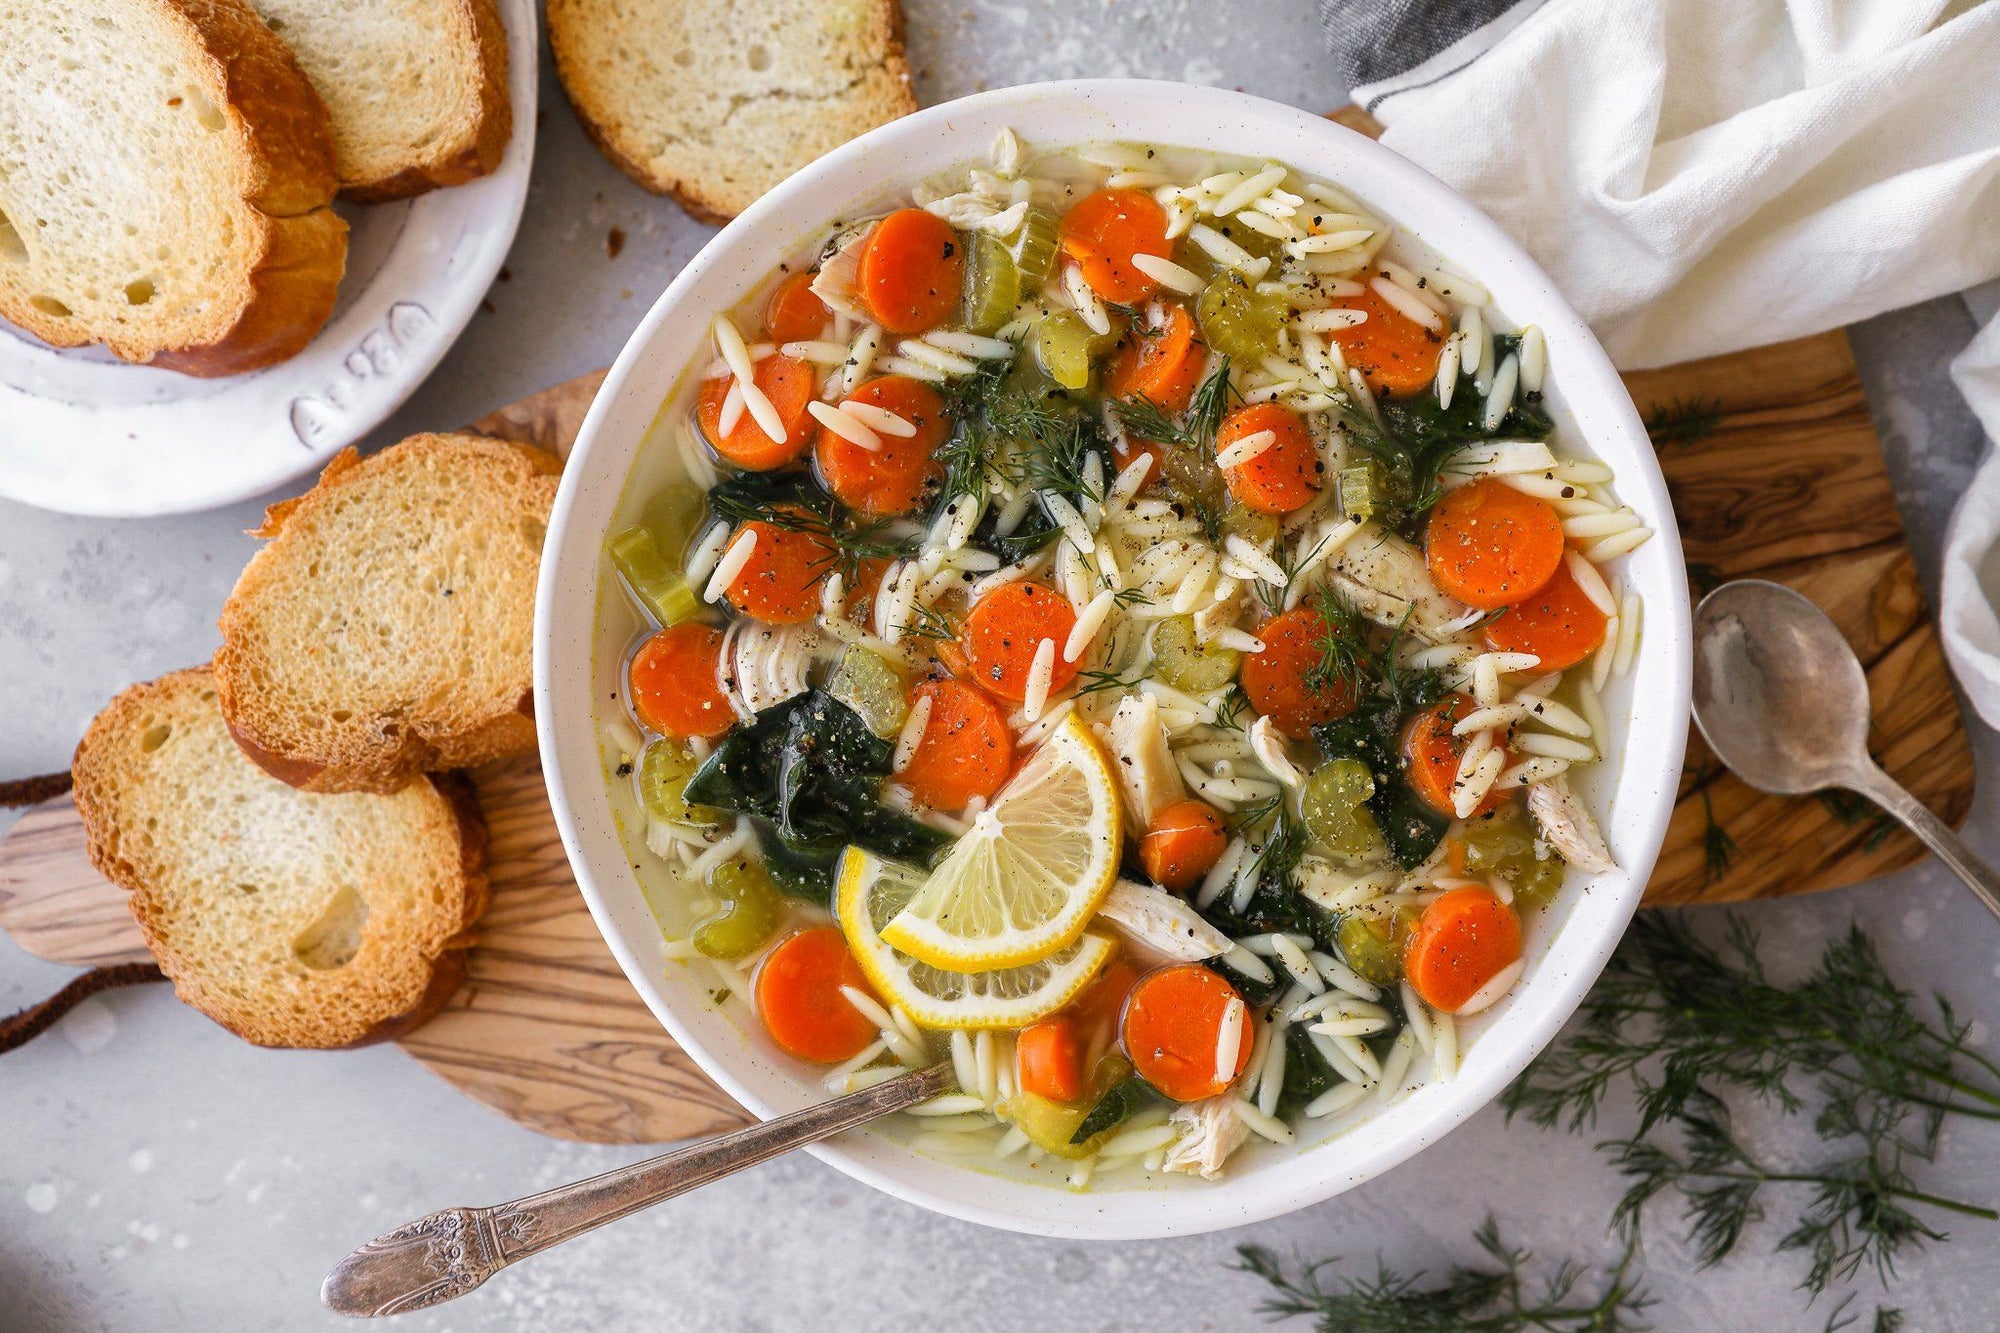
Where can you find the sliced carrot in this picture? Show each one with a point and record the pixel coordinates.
(788, 383)
(795, 313)
(1275, 678)
(1431, 754)
(1102, 232)
(1163, 365)
(1556, 622)
(911, 268)
(1173, 1021)
(1396, 355)
(1490, 545)
(1123, 452)
(780, 584)
(1005, 629)
(798, 996)
(1182, 844)
(673, 680)
(899, 476)
(1048, 1057)
(1098, 1010)
(1286, 476)
(966, 750)
(1462, 941)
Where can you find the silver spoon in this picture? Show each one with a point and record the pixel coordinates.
(441, 1257)
(1783, 701)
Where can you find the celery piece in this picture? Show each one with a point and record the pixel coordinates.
(869, 684)
(1033, 248)
(751, 910)
(1182, 662)
(1333, 807)
(1359, 497)
(660, 587)
(1238, 320)
(1065, 346)
(992, 285)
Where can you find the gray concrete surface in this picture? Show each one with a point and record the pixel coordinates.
(157, 1174)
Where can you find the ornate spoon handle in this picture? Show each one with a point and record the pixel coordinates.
(441, 1257)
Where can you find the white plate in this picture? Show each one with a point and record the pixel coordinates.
(85, 433)
(578, 656)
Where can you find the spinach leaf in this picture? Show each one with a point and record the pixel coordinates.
(1114, 1108)
(809, 772)
(1307, 1074)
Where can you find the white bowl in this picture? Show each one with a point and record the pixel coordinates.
(575, 668)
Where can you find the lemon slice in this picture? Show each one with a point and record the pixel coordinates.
(869, 891)
(1025, 879)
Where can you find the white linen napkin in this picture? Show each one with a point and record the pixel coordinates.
(1701, 176)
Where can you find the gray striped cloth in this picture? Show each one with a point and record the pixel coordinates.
(1383, 47)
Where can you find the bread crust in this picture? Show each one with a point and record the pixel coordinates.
(298, 251)
(477, 156)
(369, 757)
(103, 834)
(600, 106)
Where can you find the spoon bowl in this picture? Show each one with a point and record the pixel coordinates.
(1778, 694)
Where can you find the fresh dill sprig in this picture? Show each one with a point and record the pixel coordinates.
(1093, 681)
(1681, 1021)
(1684, 420)
(1196, 428)
(1285, 844)
(1859, 1211)
(1718, 848)
(1888, 1319)
(852, 543)
(1250, 816)
(1850, 808)
(932, 623)
(1345, 659)
(1487, 1299)
(1127, 598)
(1231, 707)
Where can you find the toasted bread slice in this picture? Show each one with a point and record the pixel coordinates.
(385, 630)
(417, 88)
(290, 919)
(716, 101)
(165, 179)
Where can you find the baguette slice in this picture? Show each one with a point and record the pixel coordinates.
(290, 919)
(165, 179)
(385, 629)
(417, 88)
(716, 101)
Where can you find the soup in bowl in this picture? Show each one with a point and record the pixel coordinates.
(1140, 594)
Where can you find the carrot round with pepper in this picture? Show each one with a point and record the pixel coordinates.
(1431, 754)
(673, 682)
(780, 583)
(1396, 355)
(1173, 1024)
(795, 313)
(1162, 365)
(1464, 939)
(1286, 475)
(1182, 844)
(1279, 679)
(1490, 545)
(1006, 628)
(911, 268)
(797, 991)
(1102, 232)
(1048, 1057)
(1557, 623)
(966, 750)
(788, 383)
(896, 478)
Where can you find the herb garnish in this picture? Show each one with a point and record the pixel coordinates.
(1684, 1021)
(795, 502)
(1468, 1300)
(1683, 421)
(1851, 808)
(1345, 659)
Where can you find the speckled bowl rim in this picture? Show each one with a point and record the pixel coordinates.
(1584, 390)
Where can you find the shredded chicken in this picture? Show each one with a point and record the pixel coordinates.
(834, 283)
(1568, 827)
(1147, 774)
(1157, 920)
(1210, 1131)
(1386, 578)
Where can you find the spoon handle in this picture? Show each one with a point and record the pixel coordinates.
(1886, 792)
(441, 1257)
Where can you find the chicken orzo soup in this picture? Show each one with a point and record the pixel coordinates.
(1118, 620)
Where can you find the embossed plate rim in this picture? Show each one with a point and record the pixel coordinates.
(83, 434)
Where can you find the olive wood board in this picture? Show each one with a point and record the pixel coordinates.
(1789, 485)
